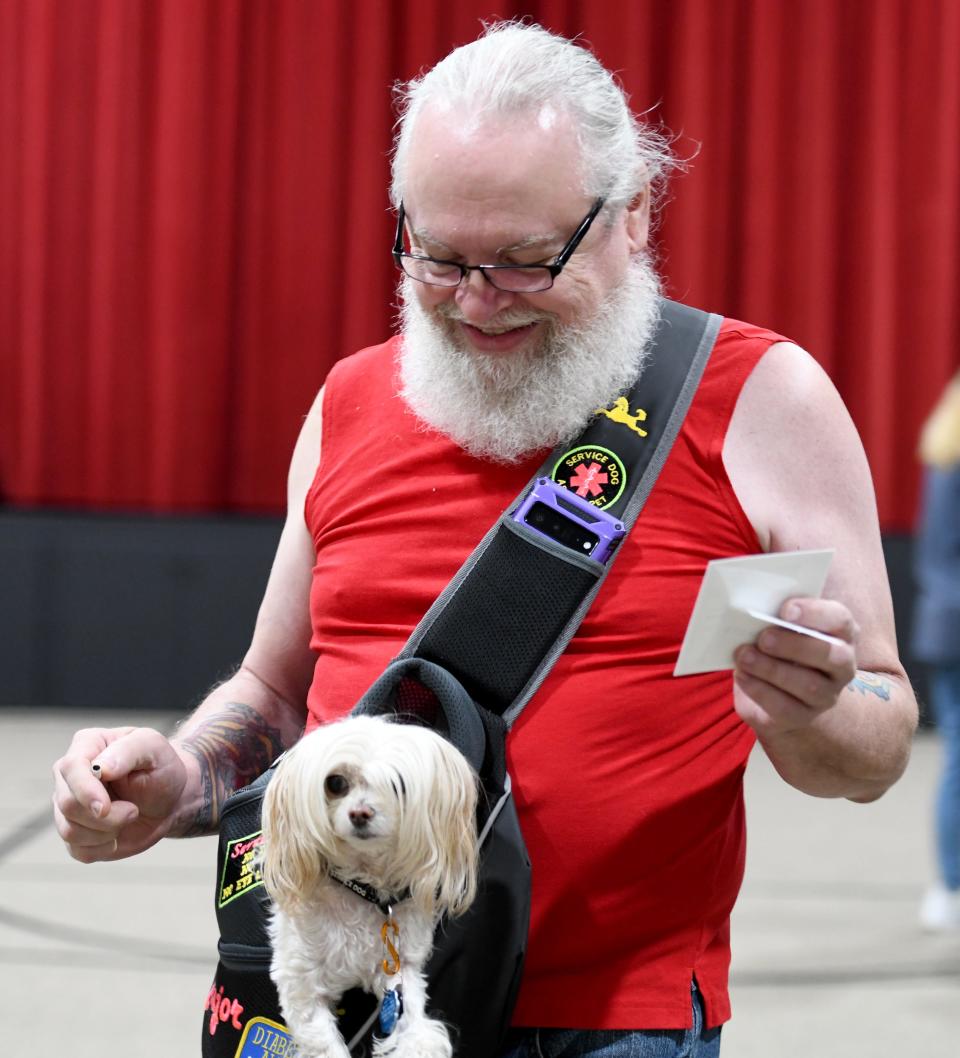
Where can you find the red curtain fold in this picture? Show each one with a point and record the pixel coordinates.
(194, 222)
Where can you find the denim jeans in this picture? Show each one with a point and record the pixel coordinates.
(945, 699)
(697, 1042)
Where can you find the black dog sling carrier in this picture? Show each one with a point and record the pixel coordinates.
(468, 669)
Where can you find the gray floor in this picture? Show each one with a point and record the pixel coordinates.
(114, 960)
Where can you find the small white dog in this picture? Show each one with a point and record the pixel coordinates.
(369, 837)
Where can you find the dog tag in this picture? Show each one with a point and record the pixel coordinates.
(390, 1010)
(391, 965)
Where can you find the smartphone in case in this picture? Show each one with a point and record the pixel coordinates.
(560, 515)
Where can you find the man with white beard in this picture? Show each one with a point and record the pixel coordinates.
(504, 407)
(523, 187)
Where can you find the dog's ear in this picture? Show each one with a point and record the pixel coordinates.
(450, 883)
(292, 861)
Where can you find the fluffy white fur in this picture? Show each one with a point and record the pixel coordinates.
(404, 820)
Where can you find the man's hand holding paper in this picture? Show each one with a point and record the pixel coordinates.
(786, 678)
(792, 652)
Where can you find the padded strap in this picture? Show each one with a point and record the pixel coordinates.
(509, 612)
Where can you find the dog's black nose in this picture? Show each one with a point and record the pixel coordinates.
(360, 816)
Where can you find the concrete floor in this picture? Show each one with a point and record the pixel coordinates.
(114, 960)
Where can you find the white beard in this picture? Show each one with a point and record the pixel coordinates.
(505, 407)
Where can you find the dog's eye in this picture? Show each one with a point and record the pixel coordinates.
(336, 785)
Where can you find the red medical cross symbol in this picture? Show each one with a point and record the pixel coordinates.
(588, 479)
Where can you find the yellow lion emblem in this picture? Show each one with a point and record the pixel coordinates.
(620, 412)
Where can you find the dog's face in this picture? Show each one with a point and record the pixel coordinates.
(363, 811)
(389, 804)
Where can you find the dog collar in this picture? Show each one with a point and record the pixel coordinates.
(370, 894)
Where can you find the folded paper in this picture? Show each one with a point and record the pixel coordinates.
(739, 597)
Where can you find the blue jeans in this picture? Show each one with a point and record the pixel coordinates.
(945, 699)
(697, 1042)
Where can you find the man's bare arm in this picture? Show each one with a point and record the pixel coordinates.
(245, 723)
(231, 745)
(152, 787)
(836, 720)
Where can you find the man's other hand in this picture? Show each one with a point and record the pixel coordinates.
(130, 806)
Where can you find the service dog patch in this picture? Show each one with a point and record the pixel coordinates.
(595, 474)
(241, 873)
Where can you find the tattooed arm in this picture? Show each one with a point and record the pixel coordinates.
(823, 737)
(150, 786)
(225, 746)
(246, 723)
(231, 748)
(835, 718)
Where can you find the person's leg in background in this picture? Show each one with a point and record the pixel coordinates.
(941, 905)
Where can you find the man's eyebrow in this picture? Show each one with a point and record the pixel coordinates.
(526, 243)
(424, 235)
(531, 241)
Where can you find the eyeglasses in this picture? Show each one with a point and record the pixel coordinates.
(518, 279)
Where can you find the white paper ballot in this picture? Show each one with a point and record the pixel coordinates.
(739, 597)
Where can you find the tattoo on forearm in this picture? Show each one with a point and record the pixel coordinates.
(870, 683)
(233, 748)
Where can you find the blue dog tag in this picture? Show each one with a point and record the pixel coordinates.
(390, 1010)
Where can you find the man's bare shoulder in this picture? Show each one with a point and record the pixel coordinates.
(306, 454)
(793, 454)
(786, 382)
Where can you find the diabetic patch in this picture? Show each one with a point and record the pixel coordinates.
(263, 1038)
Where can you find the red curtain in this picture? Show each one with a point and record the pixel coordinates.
(194, 223)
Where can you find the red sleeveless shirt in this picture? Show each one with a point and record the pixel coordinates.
(628, 781)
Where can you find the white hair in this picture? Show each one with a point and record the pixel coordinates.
(514, 68)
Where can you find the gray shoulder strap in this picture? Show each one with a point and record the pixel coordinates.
(512, 608)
